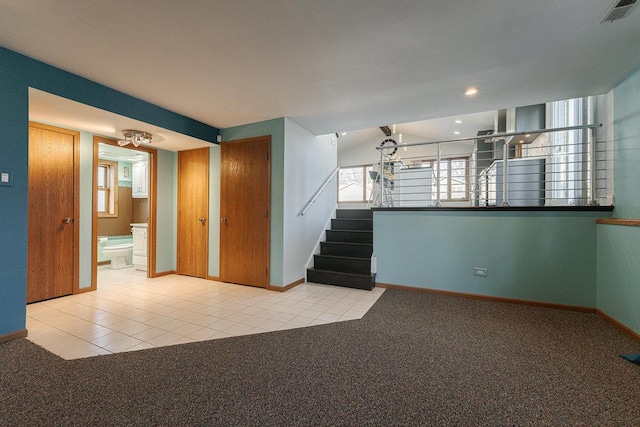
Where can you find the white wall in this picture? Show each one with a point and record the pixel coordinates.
(366, 153)
(308, 161)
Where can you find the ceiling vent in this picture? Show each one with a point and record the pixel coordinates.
(618, 10)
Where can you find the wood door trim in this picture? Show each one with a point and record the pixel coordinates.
(76, 197)
(267, 141)
(287, 287)
(151, 221)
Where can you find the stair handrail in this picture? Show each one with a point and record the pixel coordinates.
(315, 196)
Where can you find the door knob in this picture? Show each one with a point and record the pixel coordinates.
(202, 220)
(67, 220)
(224, 220)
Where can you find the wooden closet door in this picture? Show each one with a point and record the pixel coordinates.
(245, 206)
(193, 212)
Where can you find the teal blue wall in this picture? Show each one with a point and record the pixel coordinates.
(14, 116)
(86, 208)
(619, 246)
(166, 211)
(275, 128)
(619, 273)
(627, 142)
(537, 256)
(17, 74)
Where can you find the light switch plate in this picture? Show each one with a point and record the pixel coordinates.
(6, 179)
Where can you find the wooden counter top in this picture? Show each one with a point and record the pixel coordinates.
(616, 221)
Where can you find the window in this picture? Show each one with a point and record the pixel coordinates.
(355, 183)
(569, 159)
(454, 177)
(107, 188)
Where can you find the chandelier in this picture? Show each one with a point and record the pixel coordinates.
(135, 137)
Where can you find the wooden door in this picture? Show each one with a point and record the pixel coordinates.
(193, 212)
(245, 205)
(53, 257)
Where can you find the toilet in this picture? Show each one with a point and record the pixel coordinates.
(120, 255)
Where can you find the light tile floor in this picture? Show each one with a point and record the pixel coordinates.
(130, 312)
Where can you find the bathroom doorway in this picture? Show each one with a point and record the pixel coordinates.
(124, 206)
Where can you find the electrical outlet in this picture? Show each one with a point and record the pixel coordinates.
(477, 271)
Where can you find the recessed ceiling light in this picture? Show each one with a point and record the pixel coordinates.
(343, 133)
(470, 91)
(456, 132)
(458, 121)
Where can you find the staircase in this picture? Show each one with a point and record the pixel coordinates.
(345, 256)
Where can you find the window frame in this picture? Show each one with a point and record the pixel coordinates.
(431, 163)
(111, 188)
(365, 180)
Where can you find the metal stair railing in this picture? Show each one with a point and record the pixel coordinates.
(315, 196)
(509, 142)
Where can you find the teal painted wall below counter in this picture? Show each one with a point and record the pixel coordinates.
(619, 273)
(619, 246)
(537, 256)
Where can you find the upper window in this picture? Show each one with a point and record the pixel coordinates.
(355, 183)
(568, 159)
(107, 188)
(454, 177)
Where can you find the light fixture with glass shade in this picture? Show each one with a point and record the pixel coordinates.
(135, 137)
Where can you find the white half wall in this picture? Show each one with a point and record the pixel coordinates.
(309, 160)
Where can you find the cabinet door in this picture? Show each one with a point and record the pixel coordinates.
(140, 181)
(139, 241)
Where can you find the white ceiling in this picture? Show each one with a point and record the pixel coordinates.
(442, 129)
(47, 108)
(330, 65)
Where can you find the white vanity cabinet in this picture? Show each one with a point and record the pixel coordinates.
(140, 182)
(139, 232)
